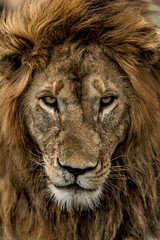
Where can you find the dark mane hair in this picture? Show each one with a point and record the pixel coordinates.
(28, 36)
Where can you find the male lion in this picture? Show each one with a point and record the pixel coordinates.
(79, 121)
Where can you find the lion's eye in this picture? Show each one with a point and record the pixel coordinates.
(50, 101)
(106, 102)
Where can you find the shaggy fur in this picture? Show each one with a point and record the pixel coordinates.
(28, 39)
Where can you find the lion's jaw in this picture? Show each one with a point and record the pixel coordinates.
(78, 133)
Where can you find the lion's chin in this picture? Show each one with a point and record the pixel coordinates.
(75, 198)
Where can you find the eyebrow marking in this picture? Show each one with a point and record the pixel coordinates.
(98, 85)
(57, 86)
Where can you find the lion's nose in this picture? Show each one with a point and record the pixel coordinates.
(76, 171)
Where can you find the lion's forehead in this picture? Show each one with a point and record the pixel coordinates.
(78, 73)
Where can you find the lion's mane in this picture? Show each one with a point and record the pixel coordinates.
(27, 38)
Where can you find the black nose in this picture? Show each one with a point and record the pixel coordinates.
(75, 171)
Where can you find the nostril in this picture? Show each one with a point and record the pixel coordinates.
(75, 171)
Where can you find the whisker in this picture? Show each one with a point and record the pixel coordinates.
(115, 158)
(115, 186)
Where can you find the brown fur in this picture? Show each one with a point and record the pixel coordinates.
(28, 39)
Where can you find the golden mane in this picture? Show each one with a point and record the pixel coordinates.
(28, 36)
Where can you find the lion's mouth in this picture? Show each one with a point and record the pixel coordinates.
(74, 187)
(74, 196)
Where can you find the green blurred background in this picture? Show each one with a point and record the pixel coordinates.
(155, 8)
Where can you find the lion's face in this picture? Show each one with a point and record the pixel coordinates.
(76, 110)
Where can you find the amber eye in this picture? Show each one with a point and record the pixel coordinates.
(106, 101)
(50, 101)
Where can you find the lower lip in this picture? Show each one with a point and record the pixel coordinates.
(74, 187)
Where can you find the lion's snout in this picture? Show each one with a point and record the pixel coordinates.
(77, 170)
(73, 174)
(78, 152)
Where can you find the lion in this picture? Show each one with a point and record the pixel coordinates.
(79, 121)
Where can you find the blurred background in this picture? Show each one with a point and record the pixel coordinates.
(155, 8)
